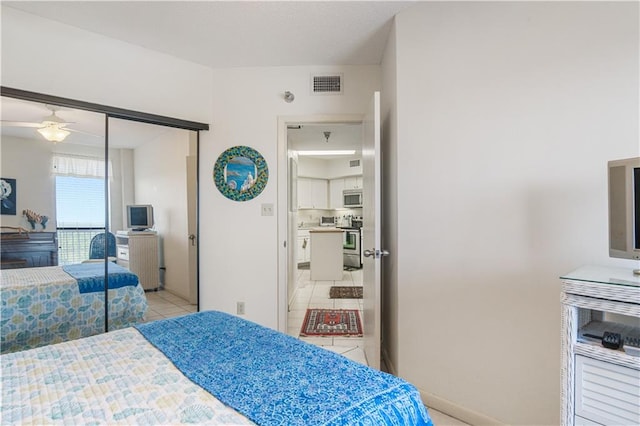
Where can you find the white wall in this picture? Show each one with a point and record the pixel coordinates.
(160, 170)
(28, 161)
(238, 260)
(239, 247)
(509, 111)
(98, 69)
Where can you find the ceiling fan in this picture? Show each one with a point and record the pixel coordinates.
(52, 127)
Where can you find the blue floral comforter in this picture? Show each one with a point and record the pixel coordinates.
(275, 379)
(41, 306)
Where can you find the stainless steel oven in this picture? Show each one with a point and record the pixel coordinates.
(351, 248)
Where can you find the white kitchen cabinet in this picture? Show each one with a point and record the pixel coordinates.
(312, 193)
(599, 385)
(336, 186)
(353, 182)
(303, 248)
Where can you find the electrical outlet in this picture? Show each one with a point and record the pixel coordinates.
(240, 308)
(267, 210)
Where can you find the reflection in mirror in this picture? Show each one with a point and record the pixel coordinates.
(53, 259)
(158, 168)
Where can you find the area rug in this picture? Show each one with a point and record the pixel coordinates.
(345, 292)
(331, 322)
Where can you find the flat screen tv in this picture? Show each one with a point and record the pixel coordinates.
(139, 217)
(624, 209)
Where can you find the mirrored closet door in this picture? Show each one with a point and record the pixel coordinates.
(89, 199)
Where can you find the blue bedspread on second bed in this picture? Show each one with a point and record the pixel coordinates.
(275, 379)
(90, 276)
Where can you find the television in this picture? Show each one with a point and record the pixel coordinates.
(624, 209)
(139, 217)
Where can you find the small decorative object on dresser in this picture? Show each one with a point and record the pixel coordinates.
(600, 379)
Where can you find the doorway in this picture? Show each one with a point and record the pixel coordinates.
(316, 172)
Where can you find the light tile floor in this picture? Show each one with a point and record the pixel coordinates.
(163, 304)
(311, 294)
(315, 294)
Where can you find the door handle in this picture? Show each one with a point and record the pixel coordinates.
(377, 254)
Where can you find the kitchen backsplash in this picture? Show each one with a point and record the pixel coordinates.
(311, 218)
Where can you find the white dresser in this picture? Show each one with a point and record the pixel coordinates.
(138, 252)
(600, 386)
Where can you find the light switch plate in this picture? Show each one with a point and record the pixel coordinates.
(267, 209)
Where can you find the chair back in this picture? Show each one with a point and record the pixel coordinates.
(96, 247)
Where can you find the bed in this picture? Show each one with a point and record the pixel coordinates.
(41, 306)
(205, 368)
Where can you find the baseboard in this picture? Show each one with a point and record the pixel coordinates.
(456, 411)
(445, 406)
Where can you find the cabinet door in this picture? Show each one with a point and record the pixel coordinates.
(304, 193)
(336, 186)
(307, 250)
(606, 393)
(319, 193)
(312, 193)
(353, 182)
(300, 248)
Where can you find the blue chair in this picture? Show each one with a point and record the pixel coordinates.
(96, 247)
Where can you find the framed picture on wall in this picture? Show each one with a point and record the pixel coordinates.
(240, 173)
(8, 196)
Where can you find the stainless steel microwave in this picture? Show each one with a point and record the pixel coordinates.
(352, 198)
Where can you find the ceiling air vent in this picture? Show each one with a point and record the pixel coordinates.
(354, 163)
(330, 84)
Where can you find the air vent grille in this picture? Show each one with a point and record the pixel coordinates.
(326, 84)
(354, 163)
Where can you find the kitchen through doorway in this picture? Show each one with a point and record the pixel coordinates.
(325, 212)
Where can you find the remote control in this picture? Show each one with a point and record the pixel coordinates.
(611, 340)
(632, 346)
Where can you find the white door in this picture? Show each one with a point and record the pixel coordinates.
(371, 212)
(192, 227)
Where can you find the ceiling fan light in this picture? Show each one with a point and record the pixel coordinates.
(54, 133)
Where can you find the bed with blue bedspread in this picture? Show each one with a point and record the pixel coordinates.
(41, 306)
(202, 368)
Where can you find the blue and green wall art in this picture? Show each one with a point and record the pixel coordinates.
(240, 173)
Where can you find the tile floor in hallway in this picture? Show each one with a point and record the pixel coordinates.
(314, 294)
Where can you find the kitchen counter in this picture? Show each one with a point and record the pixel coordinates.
(325, 229)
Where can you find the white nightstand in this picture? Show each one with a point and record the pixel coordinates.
(138, 252)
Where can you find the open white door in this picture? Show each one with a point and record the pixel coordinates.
(192, 227)
(371, 232)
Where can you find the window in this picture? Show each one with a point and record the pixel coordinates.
(79, 202)
(80, 205)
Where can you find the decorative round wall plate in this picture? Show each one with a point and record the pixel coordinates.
(240, 173)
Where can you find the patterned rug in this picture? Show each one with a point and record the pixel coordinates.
(345, 292)
(331, 322)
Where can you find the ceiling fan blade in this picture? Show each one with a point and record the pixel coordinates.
(84, 133)
(21, 124)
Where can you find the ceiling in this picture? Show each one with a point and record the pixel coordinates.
(221, 34)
